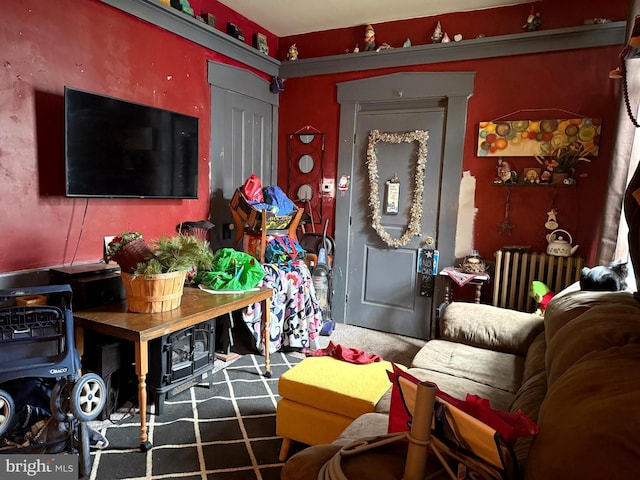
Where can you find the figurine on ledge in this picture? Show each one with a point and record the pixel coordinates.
(505, 173)
(533, 21)
(292, 54)
(369, 39)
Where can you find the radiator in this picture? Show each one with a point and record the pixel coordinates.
(515, 271)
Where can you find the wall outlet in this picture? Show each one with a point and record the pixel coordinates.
(105, 244)
(328, 186)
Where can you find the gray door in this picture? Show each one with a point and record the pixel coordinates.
(384, 287)
(377, 286)
(243, 140)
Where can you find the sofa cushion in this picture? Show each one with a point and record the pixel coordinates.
(589, 420)
(367, 425)
(502, 371)
(534, 361)
(307, 463)
(595, 321)
(571, 303)
(530, 396)
(528, 400)
(486, 326)
(459, 387)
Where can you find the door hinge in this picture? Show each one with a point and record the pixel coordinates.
(355, 138)
(346, 298)
(350, 217)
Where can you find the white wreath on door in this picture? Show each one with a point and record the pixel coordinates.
(413, 227)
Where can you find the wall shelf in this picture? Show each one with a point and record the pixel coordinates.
(534, 185)
(584, 36)
(198, 32)
(170, 19)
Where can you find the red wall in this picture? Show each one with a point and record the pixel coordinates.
(92, 46)
(549, 85)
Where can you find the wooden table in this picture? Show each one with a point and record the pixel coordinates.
(479, 280)
(197, 306)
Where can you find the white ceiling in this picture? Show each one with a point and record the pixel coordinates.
(291, 17)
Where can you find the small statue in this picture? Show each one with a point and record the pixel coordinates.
(384, 46)
(505, 174)
(356, 49)
(407, 43)
(533, 21)
(545, 176)
(292, 54)
(437, 34)
(369, 39)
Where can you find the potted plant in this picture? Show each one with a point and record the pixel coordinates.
(155, 283)
(128, 249)
(561, 160)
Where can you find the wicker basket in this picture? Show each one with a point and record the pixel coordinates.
(153, 293)
(131, 254)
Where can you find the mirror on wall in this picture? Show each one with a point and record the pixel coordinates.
(305, 193)
(305, 163)
(306, 172)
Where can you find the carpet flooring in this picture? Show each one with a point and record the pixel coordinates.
(226, 432)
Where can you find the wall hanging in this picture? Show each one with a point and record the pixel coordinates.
(531, 138)
(306, 171)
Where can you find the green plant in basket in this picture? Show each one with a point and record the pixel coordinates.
(181, 252)
(177, 253)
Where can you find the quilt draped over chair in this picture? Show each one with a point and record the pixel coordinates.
(296, 317)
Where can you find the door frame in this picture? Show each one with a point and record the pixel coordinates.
(454, 89)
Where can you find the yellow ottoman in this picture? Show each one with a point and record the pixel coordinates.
(321, 396)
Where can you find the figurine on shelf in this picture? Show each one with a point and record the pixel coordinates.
(545, 176)
(384, 46)
(369, 39)
(505, 173)
(437, 34)
(292, 54)
(407, 43)
(533, 21)
(356, 49)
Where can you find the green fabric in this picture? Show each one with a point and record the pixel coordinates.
(232, 270)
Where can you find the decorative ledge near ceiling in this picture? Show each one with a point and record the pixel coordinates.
(585, 36)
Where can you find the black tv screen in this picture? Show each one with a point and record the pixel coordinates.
(115, 148)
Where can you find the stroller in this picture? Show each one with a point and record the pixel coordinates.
(39, 364)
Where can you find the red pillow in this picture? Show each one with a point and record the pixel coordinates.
(510, 426)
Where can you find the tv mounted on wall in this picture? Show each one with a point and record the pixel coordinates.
(119, 149)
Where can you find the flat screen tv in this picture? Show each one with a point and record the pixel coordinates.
(120, 149)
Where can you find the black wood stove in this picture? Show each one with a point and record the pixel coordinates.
(178, 361)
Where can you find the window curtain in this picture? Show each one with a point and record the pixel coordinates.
(626, 154)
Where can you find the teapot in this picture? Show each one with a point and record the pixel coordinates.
(558, 246)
